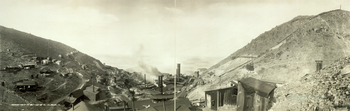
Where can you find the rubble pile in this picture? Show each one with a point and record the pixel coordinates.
(328, 89)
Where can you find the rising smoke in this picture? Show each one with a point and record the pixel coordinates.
(150, 71)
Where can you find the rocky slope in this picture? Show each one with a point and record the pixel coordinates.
(328, 89)
(292, 48)
(285, 54)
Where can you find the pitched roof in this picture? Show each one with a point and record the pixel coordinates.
(78, 93)
(262, 87)
(70, 99)
(183, 102)
(169, 106)
(161, 96)
(26, 83)
(80, 107)
(148, 109)
(94, 90)
(29, 64)
(118, 108)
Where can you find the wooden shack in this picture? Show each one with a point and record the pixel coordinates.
(26, 85)
(219, 97)
(82, 106)
(28, 66)
(75, 97)
(254, 94)
(12, 69)
(93, 93)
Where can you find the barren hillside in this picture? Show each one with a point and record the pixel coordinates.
(289, 50)
(286, 54)
(56, 68)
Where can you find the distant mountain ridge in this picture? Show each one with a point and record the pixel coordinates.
(25, 43)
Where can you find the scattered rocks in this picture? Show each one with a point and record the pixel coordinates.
(319, 91)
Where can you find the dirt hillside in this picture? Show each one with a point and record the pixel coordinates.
(286, 54)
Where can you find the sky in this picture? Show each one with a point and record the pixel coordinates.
(129, 34)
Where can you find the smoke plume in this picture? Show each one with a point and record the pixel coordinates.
(150, 71)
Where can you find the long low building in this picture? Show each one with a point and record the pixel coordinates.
(27, 85)
(93, 93)
(249, 95)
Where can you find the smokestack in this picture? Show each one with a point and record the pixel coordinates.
(160, 84)
(93, 88)
(197, 72)
(318, 65)
(178, 71)
(145, 80)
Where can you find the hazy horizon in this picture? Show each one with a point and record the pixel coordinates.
(121, 33)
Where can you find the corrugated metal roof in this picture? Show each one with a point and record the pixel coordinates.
(70, 99)
(78, 93)
(168, 107)
(148, 109)
(162, 96)
(263, 88)
(222, 88)
(80, 107)
(29, 83)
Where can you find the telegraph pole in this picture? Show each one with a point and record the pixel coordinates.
(3, 93)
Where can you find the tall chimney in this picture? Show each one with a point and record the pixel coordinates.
(145, 80)
(93, 88)
(160, 84)
(178, 71)
(197, 72)
(318, 65)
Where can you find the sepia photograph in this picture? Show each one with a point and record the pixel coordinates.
(174, 55)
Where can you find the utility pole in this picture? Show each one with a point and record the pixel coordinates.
(124, 104)
(164, 105)
(3, 93)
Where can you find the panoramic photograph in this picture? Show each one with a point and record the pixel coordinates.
(174, 55)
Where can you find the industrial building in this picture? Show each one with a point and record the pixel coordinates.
(249, 94)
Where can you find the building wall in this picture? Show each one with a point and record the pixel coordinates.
(260, 103)
(228, 96)
(249, 102)
(240, 97)
(90, 95)
(252, 101)
(211, 99)
(221, 97)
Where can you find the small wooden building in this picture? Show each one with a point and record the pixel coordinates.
(28, 66)
(58, 62)
(82, 106)
(254, 95)
(27, 85)
(12, 69)
(46, 71)
(219, 97)
(75, 97)
(45, 62)
(93, 93)
(249, 94)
